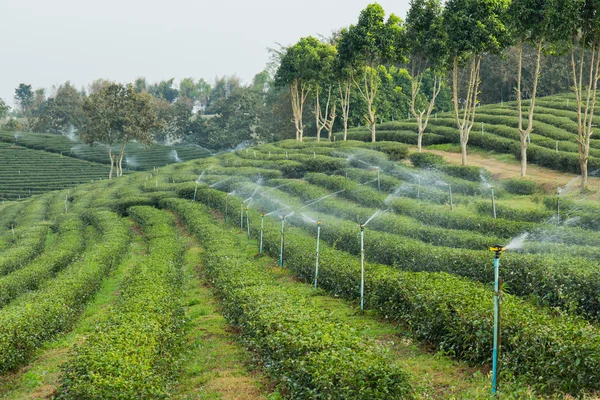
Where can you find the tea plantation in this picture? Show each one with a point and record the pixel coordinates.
(204, 277)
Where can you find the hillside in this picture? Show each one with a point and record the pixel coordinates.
(553, 141)
(168, 282)
(32, 164)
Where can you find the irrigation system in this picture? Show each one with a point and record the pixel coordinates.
(317, 255)
(497, 249)
(262, 225)
(362, 266)
(493, 203)
(282, 238)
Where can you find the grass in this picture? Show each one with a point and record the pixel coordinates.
(215, 365)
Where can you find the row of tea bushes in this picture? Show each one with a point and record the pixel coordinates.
(133, 353)
(310, 353)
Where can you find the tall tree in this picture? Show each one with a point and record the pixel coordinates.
(24, 97)
(324, 85)
(297, 70)
(4, 108)
(427, 51)
(529, 22)
(164, 90)
(63, 112)
(473, 27)
(578, 30)
(366, 45)
(116, 115)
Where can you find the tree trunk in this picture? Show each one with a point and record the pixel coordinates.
(112, 163)
(523, 156)
(369, 92)
(466, 121)
(422, 116)
(298, 94)
(345, 101)
(420, 140)
(463, 148)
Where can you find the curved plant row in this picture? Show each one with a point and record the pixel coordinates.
(554, 353)
(311, 354)
(132, 353)
(68, 246)
(25, 324)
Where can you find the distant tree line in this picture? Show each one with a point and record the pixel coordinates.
(445, 56)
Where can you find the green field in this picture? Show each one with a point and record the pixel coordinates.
(153, 285)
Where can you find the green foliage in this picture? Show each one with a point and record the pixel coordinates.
(427, 160)
(133, 353)
(312, 354)
(520, 186)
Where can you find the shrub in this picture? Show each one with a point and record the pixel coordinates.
(520, 186)
(426, 160)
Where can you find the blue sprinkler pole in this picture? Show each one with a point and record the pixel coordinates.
(362, 267)
(262, 224)
(498, 250)
(317, 255)
(281, 247)
(248, 224)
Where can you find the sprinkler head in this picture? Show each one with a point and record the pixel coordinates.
(362, 227)
(498, 249)
(246, 209)
(318, 222)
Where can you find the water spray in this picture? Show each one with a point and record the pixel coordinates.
(493, 203)
(497, 249)
(317, 254)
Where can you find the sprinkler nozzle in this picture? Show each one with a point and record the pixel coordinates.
(362, 227)
(246, 209)
(498, 249)
(318, 222)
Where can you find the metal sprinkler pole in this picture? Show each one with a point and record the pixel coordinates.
(362, 267)
(498, 250)
(419, 188)
(282, 237)
(317, 255)
(493, 204)
(378, 181)
(558, 206)
(226, 205)
(242, 216)
(195, 191)
(248, 224)
(262, 225)
(451, 202)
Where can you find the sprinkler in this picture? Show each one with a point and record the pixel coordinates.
(242, 216)
(498, 249)
(493, 203)
(262, 225)
(248, 224)
(226, 205)
(419, 188)
(378, 181)
(362, 267)
(195, 191)
(282, 238)
(451, 202)
(12, 227)
(558, 191)
(317, 255)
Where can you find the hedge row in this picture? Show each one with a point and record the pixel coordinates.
(57, 305)
(454, 314)
(30, 245)
(67, 247)
(310, 353)
(131, 355)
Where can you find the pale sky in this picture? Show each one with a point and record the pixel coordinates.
(45, 43)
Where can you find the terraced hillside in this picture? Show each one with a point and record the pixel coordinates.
(138, 158)
(204, 280)
(553, 141)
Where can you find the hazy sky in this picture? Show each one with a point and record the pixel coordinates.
(46, 43)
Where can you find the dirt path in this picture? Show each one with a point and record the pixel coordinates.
(503, 166)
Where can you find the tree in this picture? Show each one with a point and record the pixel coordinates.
(324, 82)
(164, 90)
(426, 46)
(140, 85)
(24, 97)
(578, 31)
(63, 112)
(298, 71)
(365, 46)
(116, 115)
(472, 28)
(4, 109)
(529, 23)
